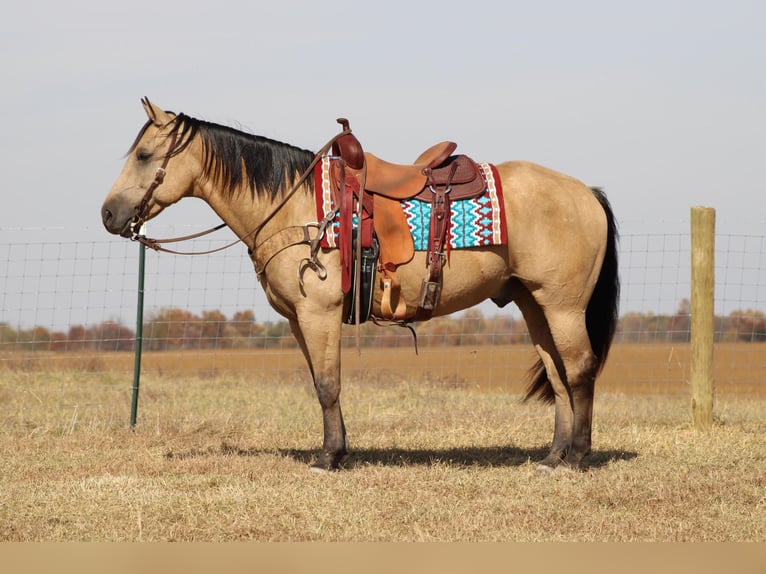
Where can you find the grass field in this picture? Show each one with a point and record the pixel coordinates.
(643, 369)
(439, 454)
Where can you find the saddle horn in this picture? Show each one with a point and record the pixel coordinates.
(348, 148)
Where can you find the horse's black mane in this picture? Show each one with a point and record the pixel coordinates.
(233, 157)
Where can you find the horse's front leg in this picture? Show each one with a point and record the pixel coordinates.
(319, 339)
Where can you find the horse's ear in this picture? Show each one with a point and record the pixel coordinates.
(158, 116)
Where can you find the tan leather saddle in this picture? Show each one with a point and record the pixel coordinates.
(373, 189)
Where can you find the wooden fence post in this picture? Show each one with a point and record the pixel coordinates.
(702, 298)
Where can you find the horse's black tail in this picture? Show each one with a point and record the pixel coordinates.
(604, 306)
(602, 313)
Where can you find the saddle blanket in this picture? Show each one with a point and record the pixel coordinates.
(476, 222)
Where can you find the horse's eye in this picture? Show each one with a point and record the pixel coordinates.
(143, 155)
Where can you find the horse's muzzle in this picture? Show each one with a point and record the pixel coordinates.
(114, 224)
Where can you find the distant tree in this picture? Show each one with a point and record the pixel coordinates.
(173, 329)
(213, 333)
(505, 330)
(679, 329)
(748, 326)
(59, 341)
(244, 330)
(439, 332)
(277, 334)
(111, 336)
(647, 327)
(37, 338)
(629, 328)
(77, 338)
(8, 334)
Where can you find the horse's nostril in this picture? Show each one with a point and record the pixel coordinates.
(106, 215)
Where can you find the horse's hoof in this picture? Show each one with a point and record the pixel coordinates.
(328, 462)
(544, 469)
(323, 465)
(558, 470)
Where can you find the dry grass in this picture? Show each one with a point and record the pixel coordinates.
(222, 459)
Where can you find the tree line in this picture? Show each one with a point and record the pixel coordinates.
(176, 329)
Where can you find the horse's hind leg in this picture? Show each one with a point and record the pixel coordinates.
(573, 385)
(561, 340)
(573, 346)
(320, 343)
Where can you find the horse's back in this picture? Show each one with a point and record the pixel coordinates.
(550, 213)
(530, 189)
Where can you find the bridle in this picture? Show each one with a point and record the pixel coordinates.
(159, 178)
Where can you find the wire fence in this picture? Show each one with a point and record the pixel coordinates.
(68, 304)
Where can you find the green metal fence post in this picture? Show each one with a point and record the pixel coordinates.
(139, 333)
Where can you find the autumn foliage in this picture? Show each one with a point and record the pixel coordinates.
(177, 329)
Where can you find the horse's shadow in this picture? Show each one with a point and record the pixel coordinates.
(493, 456)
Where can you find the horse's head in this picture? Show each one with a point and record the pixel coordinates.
(154, 175)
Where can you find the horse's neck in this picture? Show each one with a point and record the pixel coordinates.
(246, 212)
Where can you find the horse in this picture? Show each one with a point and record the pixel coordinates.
(559, 264)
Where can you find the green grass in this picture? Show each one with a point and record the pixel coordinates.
(223, 459)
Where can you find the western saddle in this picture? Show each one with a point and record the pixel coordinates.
(372, 189)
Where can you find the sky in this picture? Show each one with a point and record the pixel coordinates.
(662, 103)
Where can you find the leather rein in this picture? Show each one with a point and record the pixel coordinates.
(159, 177)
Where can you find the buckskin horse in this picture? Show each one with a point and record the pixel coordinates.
(558, 263)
